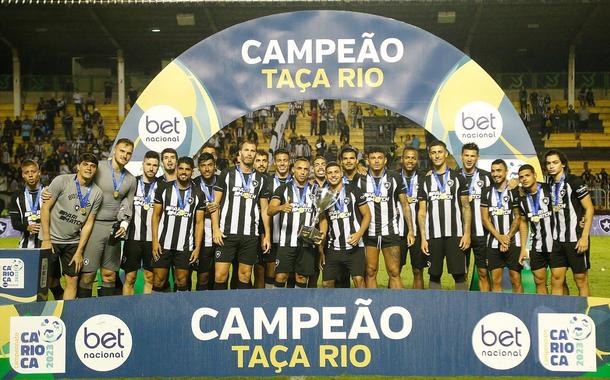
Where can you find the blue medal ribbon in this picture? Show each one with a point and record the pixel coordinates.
(82, 201)
(182, 201)
(499, 196)
(150, 189)
(472, 181)
(441, 186)
(409, 185)
(116, 185)
(34, 202)
(277, 181)
(245, 185)
(377, 186)
(558, 187)
(535, 203)
(345, 180)
(209, 195)
(302, 198)
(340, 204)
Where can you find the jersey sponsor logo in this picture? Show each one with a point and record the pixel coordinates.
(177, 211)
(566, 342)
(103, 342)
(501, 341)
(162, 127)
(38, 345)
(478, 121)
(336, 214)
(437, 195)
(13, 274)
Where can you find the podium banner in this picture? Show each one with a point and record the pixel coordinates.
(23, 275)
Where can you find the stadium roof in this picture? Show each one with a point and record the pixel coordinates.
(503, 36)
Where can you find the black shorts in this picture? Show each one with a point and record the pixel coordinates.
(418, 259)
(353, 260)
(564, 255)
(478, 244)
(382, 241)
(242, 247)
(301, 260)
(206, 260)
(64, 253)
(172, 258)
(539, 260)
(136, 255)
(508, 259)
(448, 247)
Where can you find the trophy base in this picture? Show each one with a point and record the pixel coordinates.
(310, 235)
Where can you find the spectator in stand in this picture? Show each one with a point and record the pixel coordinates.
(107, 91)
(602, 178)
(67, 122)
(587, 177)
(87, 119)
(526, 117)
(332, 151)
(90, 101)
(590, 98)
(306, 149)
(61, 106)
(359, 116)
(571, 118)
(582, 96)
(522, 98)
(292, 116)
(341, 121)
(77, 98)
(8, 126)
(534, 102)
(313, 119)
(133, 96)
(415, 142)
(320, 146)
(42, 105)
(556, 118)
(26, 129)
(547, 103)
(583, 119)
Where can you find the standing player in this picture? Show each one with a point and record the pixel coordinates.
(24, 210)
(501, 217)
(118, 187)
(243, 196)
(169, 157)
(342, 227)
(410, 178)
(282, 176)
(67, 218)
(476, 180)
(261, 280)
(293, 202)
(319, 180)
(137, 251)
(385, 195)
(571, 205)
(444, 219)
(177, 228)
(206, 182)
(536, 208)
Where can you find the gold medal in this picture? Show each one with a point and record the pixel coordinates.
(499, 212)
(471, 198)
(411, 199)
(115, 194)
(341, 215)
(301, 209)
(557, 208)
(245, 195)
(83, 210)
(146, 206)
(377, 199)
(34, 217)
(182, 213)
(443, 196)
(535, 218)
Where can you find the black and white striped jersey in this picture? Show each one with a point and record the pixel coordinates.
(142, 210)
(382, 196)
(275, 183)
(208, 192)
(344, 218)
(476, 182)
(442, 194)
(568, 210)
(303, 208)
(178, 217)
(24, 210)
(500, 206)
(240, 212)
(411, 187)
(538, 209)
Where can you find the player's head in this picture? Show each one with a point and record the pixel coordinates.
(30, 172)
(409, 158)
(349, 158)
(169, 156)
(334, 173)
(261, 161)
(150, 164)
(470, 155)
(184, 169)
(123, 150)
(281, 157)
(499, 171)
(377, 159)
(211, 149)
(319, 167)
(300, 169)
(87, 166)
(556, 162)
(207, 165)
(247, 152)
(527, 176)
(437, 150)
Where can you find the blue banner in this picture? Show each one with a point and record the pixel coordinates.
(23, 275)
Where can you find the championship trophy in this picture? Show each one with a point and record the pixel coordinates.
(323, 200)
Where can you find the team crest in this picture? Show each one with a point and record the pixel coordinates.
(449, 182)
(277, 262)
(254, 183)
(480, 183)
(505, 198)
(191, 200)
(346, 200)
(604, 224)
(545, 200)
(85, 261)
(562, 192)
(218, 254)
(124, 259)
(386, 185)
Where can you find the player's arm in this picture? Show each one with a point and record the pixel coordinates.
(488, 224)
(515, 226)
(583, 243)
(266, 242)
(323, 226)
(199, 225)
(466, 220)
(85, 232)
(125, 211)
(156, 217)
(217, 234)
(421, 221)
(406, 211)
(45, 222)
(523, 232)
(17, 219)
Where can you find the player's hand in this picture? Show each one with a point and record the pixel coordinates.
(410, 239)
(286, 207)
(77, 260)
(504, 240)
(45, 195)
(321, 261)
(156, 251)
(46, 244)
(582, 245)
(424, 247)
(503, 247)
(217, 237)
(266, 244)
(512, 183)
(33, 228)
(120, 233)
(354, 239)
(523, 255)
(212, 207)
(465, 242)
(194, 256)
(362, 170)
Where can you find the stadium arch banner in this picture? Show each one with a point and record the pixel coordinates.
(327, 55)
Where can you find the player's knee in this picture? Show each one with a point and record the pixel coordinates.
(108, 276)
(281, 277)
(371, 271)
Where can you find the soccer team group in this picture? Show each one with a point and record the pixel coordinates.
(243, 222)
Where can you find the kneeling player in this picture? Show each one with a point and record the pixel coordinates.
(177, 227)
(500, 216)
(343, 225)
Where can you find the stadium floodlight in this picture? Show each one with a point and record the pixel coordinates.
(155, 30)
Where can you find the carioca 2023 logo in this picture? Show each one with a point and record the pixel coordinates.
(162, 127)
(103, 342)
(38, 345)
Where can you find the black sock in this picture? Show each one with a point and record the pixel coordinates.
(58, 292)
(158, 290)
(184, 288)
(83, 293)
(220, 285)
(201, 287)
(243, 285)
(105, 292)
(301, 285)
(278, 284)
(269, 280)
(291, 282)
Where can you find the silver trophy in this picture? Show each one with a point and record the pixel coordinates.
(323, 200)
